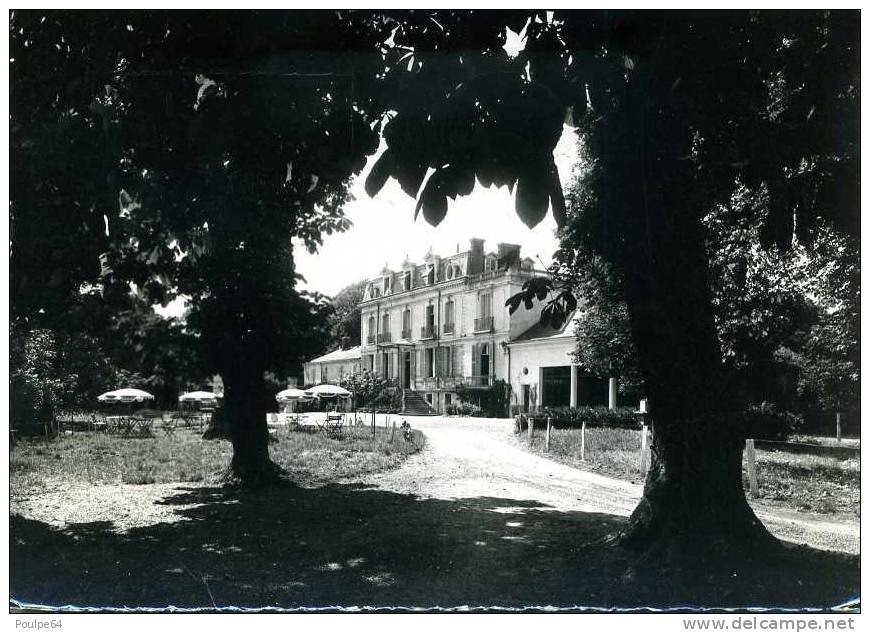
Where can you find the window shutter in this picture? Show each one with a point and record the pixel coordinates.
(457, 361)
(475, 360)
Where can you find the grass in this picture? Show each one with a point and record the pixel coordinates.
(99, 458)
(814, 483)
(610, 451)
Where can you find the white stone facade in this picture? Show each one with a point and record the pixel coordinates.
(434, 325)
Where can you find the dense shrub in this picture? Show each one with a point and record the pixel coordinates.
(491, 401)
(466, 409)
(574, 417)
(764, 422)
(761, 422)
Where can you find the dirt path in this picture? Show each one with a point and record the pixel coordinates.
(478, 458)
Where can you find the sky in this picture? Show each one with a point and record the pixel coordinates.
(384, 231)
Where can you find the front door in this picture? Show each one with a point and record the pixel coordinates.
(526, 398)
(406, 371)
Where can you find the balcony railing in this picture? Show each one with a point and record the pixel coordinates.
(483, 324)
(406, 334)
(385, 337)
(449, 328)
(371, 339)
(427, 331)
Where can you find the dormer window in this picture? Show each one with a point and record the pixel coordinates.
(430, 276)
(406, 280)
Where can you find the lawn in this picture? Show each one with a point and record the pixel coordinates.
(99, 458)
(814, 483)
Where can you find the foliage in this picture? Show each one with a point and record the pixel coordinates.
(493, 401)
(35, 384)
(765, 422)
(464, 409)
(369, 388)
(786, 319)
(344, 317)
(192, 182)
(572, 417)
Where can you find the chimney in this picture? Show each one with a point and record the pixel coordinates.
(475, 257)
(508, 255)
(345, 342)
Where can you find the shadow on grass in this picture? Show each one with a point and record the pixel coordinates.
(350, 545)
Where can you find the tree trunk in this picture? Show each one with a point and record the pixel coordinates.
(245, 414)
(693, 497)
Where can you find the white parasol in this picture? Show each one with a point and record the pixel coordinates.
(328, 391)
(125, 395)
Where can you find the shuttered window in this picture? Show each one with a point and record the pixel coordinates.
(485, 305)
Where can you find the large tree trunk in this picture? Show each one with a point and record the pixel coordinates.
(244, 401)
(693, 497)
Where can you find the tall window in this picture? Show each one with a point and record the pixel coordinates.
(430, 362)
(385, 323)
(430, 275)
(406, 323)
(484, 305)
(484, 360)
(371, 329)
(406, 280)
(444, 361)
(448, 314)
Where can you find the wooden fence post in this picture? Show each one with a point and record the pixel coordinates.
(643, 448)
(531, 429)
(373, 422)
(839, 430)
(750, 468)
(393, 432)
(549, 424)
(583, 441)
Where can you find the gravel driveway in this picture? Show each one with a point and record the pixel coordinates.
(467, 458)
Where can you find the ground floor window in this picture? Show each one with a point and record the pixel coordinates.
(430, 362)
(448, 399)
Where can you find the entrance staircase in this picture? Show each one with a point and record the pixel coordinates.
(415, 404)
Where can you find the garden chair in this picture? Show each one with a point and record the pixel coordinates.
(168, 427)
(334, 422)
(144, 426)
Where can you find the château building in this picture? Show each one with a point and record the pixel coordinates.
(433, 325)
